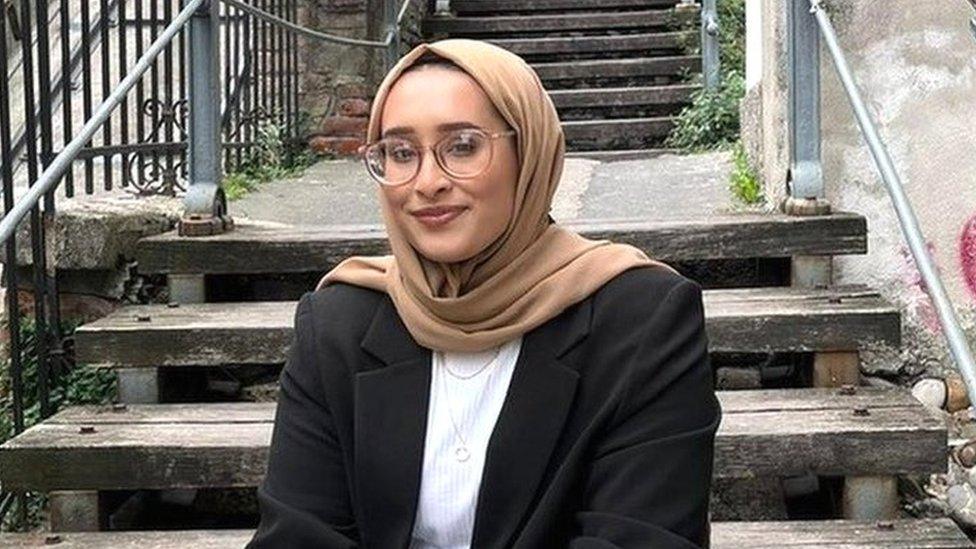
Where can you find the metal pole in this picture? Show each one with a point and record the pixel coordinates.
(906, 215)
(806, 186)
(63, 161)
(711, 64)
(204, 203)
(390, 13)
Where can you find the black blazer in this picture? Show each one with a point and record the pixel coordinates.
(605, 438)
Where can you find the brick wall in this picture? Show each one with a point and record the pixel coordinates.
(338, 81)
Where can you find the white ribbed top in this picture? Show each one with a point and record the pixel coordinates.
(449, 487)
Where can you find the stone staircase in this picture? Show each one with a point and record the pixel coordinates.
(836, 429)
(618, 71)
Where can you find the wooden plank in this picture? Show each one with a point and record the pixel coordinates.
(562, 22)
(617, 133)
(738, 320)
(840, 534)
(574, 45)
(170, 539)
(622, 97)
(763, 432)
(258, 248)
(597, 69)
(499, 6)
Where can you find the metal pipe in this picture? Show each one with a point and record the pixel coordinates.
(711, 64)
(906, 215)
(62, 162)
(270, 18)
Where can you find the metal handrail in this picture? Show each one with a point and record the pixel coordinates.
(311, 33)
(955, 336)
(50, 177)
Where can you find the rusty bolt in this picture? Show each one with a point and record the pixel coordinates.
(885, 525)
(86, 429)
(173, 304)
(118, 407)
(143, 318)
(861, 411)
(966, 455)
(52, 539)
(848, 389)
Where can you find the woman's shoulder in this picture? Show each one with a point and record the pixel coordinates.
(645, 284)
(339, 306)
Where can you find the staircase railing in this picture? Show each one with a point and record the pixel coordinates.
(205, 204)
(806, 175)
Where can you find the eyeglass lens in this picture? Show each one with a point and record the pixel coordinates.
(395, 160)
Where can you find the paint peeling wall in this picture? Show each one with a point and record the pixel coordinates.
(915, 62)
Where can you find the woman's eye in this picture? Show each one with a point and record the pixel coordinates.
(402, 153)
(463, 146)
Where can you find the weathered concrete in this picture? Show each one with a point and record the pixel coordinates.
(915, 62)
(99, 233)
(341, 192)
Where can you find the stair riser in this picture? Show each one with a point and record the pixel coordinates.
(488, 7)
(636, 45)
(623, 135)
(614, 113)
(512, 27)
(671, 68)
(623, 98)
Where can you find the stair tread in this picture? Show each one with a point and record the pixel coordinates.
(261, 248)
(940, 533)
(763, 432)
(479, 6)
(537, 23)
(737, 320)
(605, 43)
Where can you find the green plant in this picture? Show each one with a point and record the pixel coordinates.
(712, 120)
(743, 180)
(273, 158)
(78, 385)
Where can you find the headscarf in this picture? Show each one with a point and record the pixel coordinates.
(534, 270)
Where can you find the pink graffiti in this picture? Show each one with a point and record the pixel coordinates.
(921, 301)
(967, 254)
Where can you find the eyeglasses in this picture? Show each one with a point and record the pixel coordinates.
(462, 154)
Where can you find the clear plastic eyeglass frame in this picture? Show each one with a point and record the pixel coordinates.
(435, 148)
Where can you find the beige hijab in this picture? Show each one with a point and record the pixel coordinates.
(534, 270)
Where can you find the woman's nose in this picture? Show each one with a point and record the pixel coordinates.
(430, 178)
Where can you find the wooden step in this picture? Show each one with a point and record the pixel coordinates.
(595, 70)
(764, 432)
(578, 45)
(257, 248)
(840, 534)
(558, 23)
(616, 133)
(738, 320)
(526, 6)
(814, 534)
(623, 97)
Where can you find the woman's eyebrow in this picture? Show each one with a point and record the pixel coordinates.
(408, 130)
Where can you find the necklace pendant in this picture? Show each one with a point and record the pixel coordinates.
(461, 453)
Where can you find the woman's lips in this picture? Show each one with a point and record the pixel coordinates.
(438, 218)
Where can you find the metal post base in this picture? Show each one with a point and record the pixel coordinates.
(811, 271)
(138, 385)
(870, 498)
(805, 206)
(76, 511)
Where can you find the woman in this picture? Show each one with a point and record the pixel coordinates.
(498, 381)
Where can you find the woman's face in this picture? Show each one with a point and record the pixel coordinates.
(424, 105)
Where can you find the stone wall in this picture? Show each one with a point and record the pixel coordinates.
(915, 62)
(338, 81)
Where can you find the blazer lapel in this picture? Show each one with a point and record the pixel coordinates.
(539, 398)
(390, 421)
